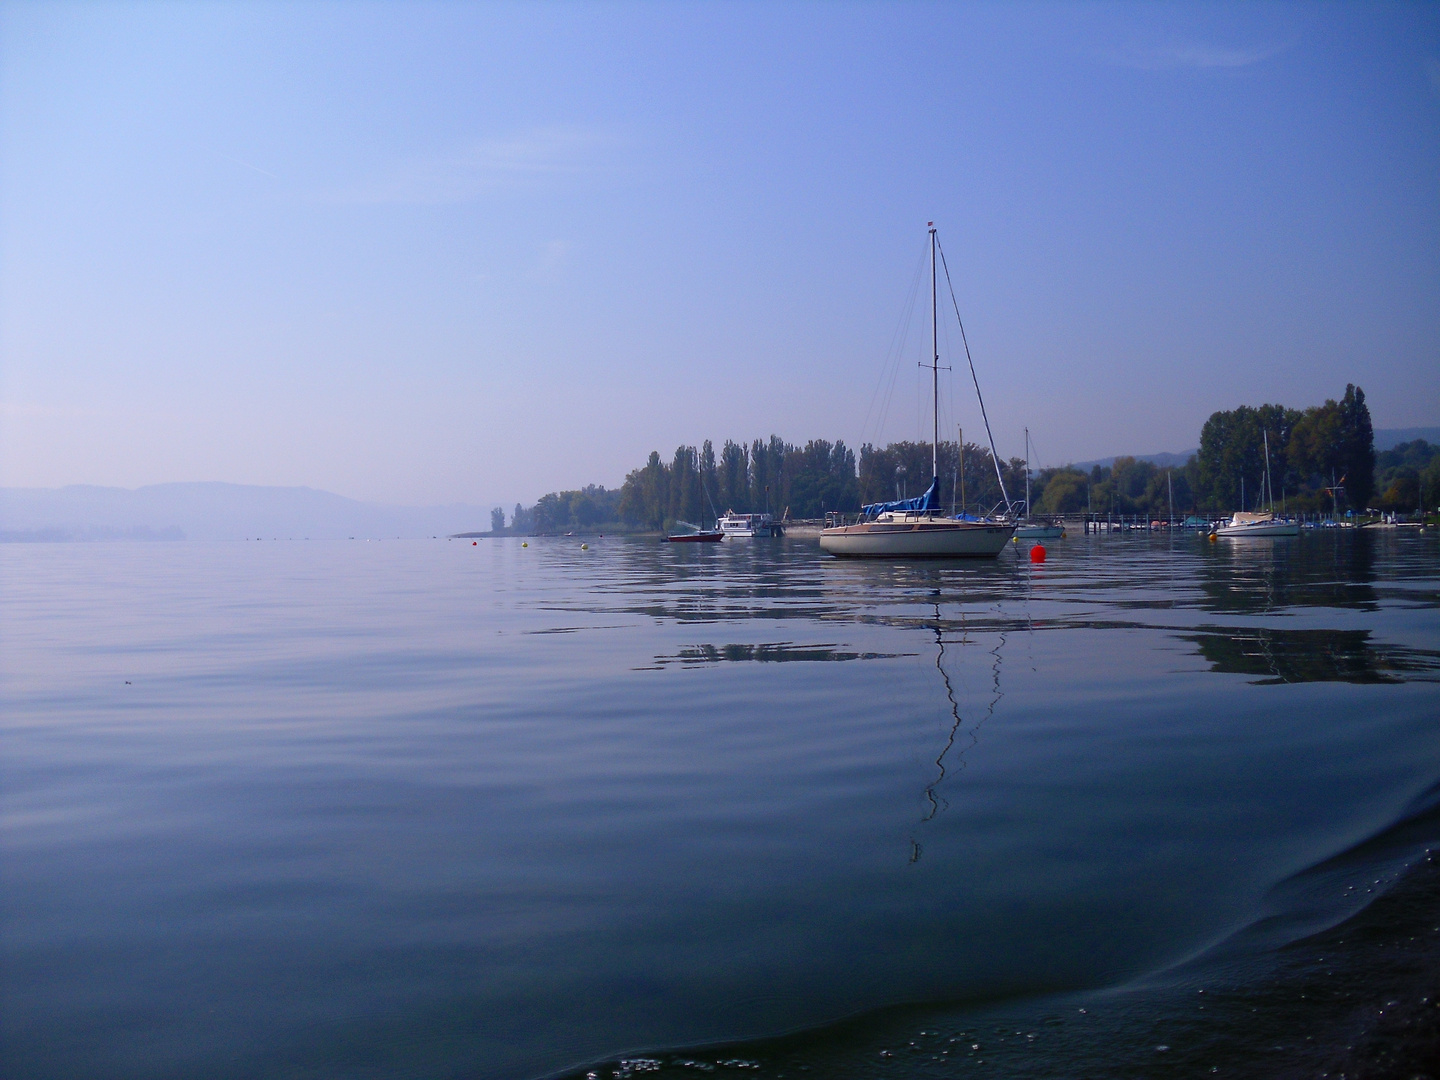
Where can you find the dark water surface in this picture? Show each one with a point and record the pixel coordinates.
(429, 809)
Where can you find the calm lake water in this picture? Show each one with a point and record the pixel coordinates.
(428, 809)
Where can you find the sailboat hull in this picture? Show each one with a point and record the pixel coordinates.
(931, 538)
(1266, 528)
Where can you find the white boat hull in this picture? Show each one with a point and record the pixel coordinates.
(929, 538)
(744, 526)
(1268, 528)
(1040, 532)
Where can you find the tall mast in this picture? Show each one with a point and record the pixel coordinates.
(1270, 494)
(960, 466)
(1027, 474)
(934, 360)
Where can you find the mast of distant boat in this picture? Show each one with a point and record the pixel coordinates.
(1027, 474)
(1269, 491)
(960, 464)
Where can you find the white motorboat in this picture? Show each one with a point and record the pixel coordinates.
(917, 528)
(743, 525)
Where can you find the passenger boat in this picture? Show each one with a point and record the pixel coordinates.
(918, 528)
(744, 525)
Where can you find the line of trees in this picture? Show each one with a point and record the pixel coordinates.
(1408, 477)
(768, 476)
(1320, 457)
(764, 477)
(1128, 486)
(773, 476)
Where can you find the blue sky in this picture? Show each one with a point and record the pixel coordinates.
(424, 253)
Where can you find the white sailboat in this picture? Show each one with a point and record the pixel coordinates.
(1029, 529)
(917, 528)
(1259, 523)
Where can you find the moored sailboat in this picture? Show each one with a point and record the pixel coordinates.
(918, 527)
(1030, 529)
(1259, 523)
(699, 536)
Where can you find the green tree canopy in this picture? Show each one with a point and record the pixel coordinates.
(1326, 446)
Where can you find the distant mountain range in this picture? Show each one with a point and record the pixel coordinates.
(216, 511)
(1389, 438)
(1385, 439)
(1163, 460)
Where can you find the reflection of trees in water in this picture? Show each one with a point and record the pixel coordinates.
(775, 652)
(938, 802)
(1290, 656)
(1318, 569)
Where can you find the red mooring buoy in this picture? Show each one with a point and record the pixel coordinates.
(474, 543)
(1037, 553)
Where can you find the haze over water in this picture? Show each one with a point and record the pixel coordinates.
(439, 809)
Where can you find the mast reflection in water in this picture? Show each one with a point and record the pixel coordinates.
(972, 734)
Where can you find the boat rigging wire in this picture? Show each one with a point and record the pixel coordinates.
(993, 452)
(885, 387)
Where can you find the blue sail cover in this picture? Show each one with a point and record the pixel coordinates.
(929, 501)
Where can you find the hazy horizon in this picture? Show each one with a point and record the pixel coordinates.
(442, 254)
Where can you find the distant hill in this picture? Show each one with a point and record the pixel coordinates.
(1389, 438)
(216, 511)
(1163, 460)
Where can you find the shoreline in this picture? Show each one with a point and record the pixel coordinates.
(1357, 1001)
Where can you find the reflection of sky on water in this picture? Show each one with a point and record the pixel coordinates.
(525, 808)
